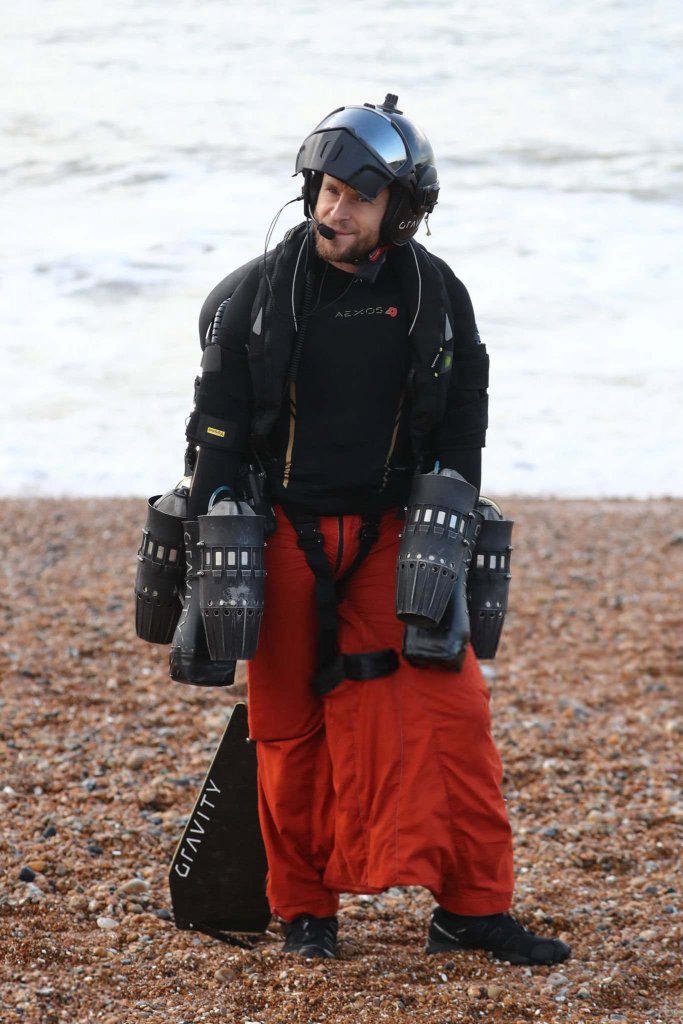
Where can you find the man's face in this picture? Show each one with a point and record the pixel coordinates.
(355, 219)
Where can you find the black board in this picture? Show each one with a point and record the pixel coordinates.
(218, 872)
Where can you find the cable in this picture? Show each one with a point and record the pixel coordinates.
(419, 288)
(317, 308)
(223, 487)
(269, 235)
(301, 330)
(296, 270)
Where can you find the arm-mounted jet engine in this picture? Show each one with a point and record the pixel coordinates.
(488, 583)
(434, 545)
(161, 567)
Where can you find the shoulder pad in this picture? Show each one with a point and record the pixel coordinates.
(224, 290)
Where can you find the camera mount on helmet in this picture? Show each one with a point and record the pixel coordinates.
(370, 148)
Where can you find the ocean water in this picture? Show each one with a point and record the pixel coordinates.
(146, 147)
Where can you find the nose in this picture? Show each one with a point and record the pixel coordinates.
(340, 209)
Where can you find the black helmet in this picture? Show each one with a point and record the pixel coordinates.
(370, 148)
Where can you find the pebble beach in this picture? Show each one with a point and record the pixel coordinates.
(102, 757)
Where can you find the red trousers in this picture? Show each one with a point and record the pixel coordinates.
(385, 782)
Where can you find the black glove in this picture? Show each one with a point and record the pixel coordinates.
(190, 661)
(445, 645)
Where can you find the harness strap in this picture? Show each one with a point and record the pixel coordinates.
(310, 539)
(368, 535)
(371, 665)
(331, 665)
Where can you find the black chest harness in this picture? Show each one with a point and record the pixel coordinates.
(275, 350)
(331, 665)
(276, 338)
(428, 364)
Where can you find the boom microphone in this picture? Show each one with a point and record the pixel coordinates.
(323, 229)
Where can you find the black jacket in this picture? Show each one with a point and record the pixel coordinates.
(247, 355)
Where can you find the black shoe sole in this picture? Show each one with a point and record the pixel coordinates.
(434, 946)
(311, 953)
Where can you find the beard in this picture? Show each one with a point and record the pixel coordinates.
(343, 250)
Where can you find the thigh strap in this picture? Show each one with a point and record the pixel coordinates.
(331, 665)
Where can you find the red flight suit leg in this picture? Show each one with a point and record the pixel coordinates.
(391, 781)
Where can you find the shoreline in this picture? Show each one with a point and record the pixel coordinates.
(510, 496)
(102, 757)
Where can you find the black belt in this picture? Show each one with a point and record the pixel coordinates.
(332, 666)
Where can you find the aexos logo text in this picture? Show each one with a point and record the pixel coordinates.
(368, 311)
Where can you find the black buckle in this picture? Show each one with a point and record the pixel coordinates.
(309, 534)
(370, 530)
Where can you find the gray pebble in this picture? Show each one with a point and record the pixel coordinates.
(224, 974)
(107, 923)
(135, 885)
(137, 759)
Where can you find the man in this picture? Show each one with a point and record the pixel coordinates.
(345, 361)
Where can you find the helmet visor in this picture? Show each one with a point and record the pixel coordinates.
(372, 128)
(358, 146)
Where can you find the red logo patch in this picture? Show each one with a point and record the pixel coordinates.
(392, 311)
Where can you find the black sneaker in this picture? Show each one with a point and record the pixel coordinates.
(311, 936)
(500, 934)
